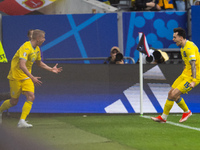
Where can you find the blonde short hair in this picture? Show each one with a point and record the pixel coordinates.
(37, 33)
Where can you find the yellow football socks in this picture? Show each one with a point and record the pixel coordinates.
(168, 106)
(26, 109)
(6, 105)
(181, 103)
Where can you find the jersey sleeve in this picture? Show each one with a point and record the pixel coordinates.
(191, 53)
(23, 52)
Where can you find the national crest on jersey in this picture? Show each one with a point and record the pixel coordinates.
(32, 56)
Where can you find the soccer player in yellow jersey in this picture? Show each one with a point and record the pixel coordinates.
(5, 96)
(22, 80)
(189, 78)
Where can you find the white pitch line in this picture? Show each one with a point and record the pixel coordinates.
(177, 124)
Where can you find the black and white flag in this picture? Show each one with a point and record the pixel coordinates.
(143, 46)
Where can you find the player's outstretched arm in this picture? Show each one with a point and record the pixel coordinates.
(22, 65)
(55, 69)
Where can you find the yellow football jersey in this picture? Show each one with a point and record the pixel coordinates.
(190, 52)
(27, 52)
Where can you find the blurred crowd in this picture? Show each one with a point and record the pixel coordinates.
(156, 5)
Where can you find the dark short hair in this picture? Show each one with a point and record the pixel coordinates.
(29, 34)
(181, 32)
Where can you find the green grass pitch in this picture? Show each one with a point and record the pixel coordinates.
(110, 132)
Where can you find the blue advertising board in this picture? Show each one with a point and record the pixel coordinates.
(157, 26)
(67, 36)
(101, 88)
(196, 24)
(92, 35)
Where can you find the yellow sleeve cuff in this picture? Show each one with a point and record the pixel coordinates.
(194, 80)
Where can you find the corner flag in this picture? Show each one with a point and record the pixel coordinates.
(3, 58)
(143, 46)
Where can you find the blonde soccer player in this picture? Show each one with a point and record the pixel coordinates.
(189, 78)
(5, 96)
(21, 80)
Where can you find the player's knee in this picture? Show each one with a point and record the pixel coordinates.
(13, 101)
(31, 97)
(169, 95)
(172, 96)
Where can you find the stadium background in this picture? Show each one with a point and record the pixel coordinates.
(92, 35)
(97, 88)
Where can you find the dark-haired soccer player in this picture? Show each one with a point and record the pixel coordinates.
(22, 80)
(189, 78)
(30, 34)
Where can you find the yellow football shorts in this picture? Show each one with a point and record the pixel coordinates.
(17, 87)
(182, 83)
